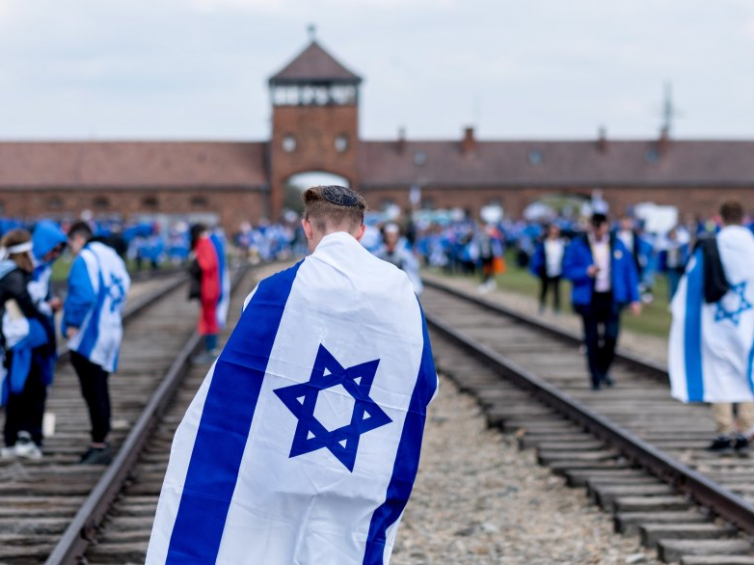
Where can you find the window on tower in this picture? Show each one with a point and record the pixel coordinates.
(289, 143)
(341, 143)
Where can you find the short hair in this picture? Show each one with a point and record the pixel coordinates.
(598, 219)
(17, 237)
(334, 205)
(81, 228)
(732, 212)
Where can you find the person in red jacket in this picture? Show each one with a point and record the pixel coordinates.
(205, 270)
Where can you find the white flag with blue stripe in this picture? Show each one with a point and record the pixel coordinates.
(303, 443)
(106, 278)
(712, 345)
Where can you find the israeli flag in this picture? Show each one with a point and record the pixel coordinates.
(712, 345)
(100, 335)
(223, 303)
(302, 444)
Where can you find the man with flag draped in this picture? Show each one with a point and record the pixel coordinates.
(712, 335)
(302, 444)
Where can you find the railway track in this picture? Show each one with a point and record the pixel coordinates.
(112, 524)
(39, 498)
(640, 454)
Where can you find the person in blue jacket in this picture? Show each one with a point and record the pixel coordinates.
(604, 278)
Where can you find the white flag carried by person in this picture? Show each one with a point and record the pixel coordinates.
(303, 443)
(712, 344)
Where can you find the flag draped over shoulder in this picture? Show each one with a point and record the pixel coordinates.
(223, 302)
(303, 443)
(712, 344)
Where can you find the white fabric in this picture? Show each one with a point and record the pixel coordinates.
(309, 509)
(554, 250)
(111, 299)
(601, 258)
(727, 329)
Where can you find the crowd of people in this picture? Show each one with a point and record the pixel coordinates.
(610, 266)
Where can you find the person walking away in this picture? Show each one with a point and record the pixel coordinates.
(491, 256)
(205, 287)
(672, 261)
(396, 252)
(98, 284)
(303, 443)
(712, 333)
(27, 345)
(604, 279)
(547, 264)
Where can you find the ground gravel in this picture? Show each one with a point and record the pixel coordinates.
(479, 500)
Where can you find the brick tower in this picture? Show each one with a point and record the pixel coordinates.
(315, 121)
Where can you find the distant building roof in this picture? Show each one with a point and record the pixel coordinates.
(314, 64)
(557, 163)
(115, 165)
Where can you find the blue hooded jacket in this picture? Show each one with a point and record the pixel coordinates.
(623, 276)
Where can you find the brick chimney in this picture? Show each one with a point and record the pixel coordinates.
(602, 143)
(469, 143)
(663, 144)
(401, 143)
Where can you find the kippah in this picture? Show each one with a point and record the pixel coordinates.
(340, 195)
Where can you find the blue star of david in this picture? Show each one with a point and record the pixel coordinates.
(117, 293)
(301, 399)
(734, 314)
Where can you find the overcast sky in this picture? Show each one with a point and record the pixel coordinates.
(197, 69)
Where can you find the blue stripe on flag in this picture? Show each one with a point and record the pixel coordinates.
(91, 332)
(406, 459)
(692, 334)
(225, 423)
(750, 368)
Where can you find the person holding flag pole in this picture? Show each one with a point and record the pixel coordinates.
(711, 348)
(302, 444)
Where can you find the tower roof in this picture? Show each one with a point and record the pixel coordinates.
(314, 64)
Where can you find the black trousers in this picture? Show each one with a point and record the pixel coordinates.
(601, 328)
(24, 411)
(547, 284)
(94, 389)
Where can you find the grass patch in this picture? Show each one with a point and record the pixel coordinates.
(654, 320)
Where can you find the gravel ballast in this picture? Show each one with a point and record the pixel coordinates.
(479, 500)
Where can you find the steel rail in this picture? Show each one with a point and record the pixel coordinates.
(643, 364)
(702, 490)
(80, 533)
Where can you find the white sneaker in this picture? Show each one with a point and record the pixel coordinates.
(26, 448)
(8, 452)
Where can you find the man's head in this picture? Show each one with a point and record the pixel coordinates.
(627, 223)
(78, 236)
(732, 213)
(330, 209)
(391, 234)
(553, 231)
(600, 226)
(16, 246)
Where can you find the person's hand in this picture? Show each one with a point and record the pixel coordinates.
(592, 270)
(55, 304)
(636, 308)
(71, 332)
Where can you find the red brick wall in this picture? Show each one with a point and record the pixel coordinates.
(315, 129)
(233, 206)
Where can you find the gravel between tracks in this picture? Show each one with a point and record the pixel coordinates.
(479, 500)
